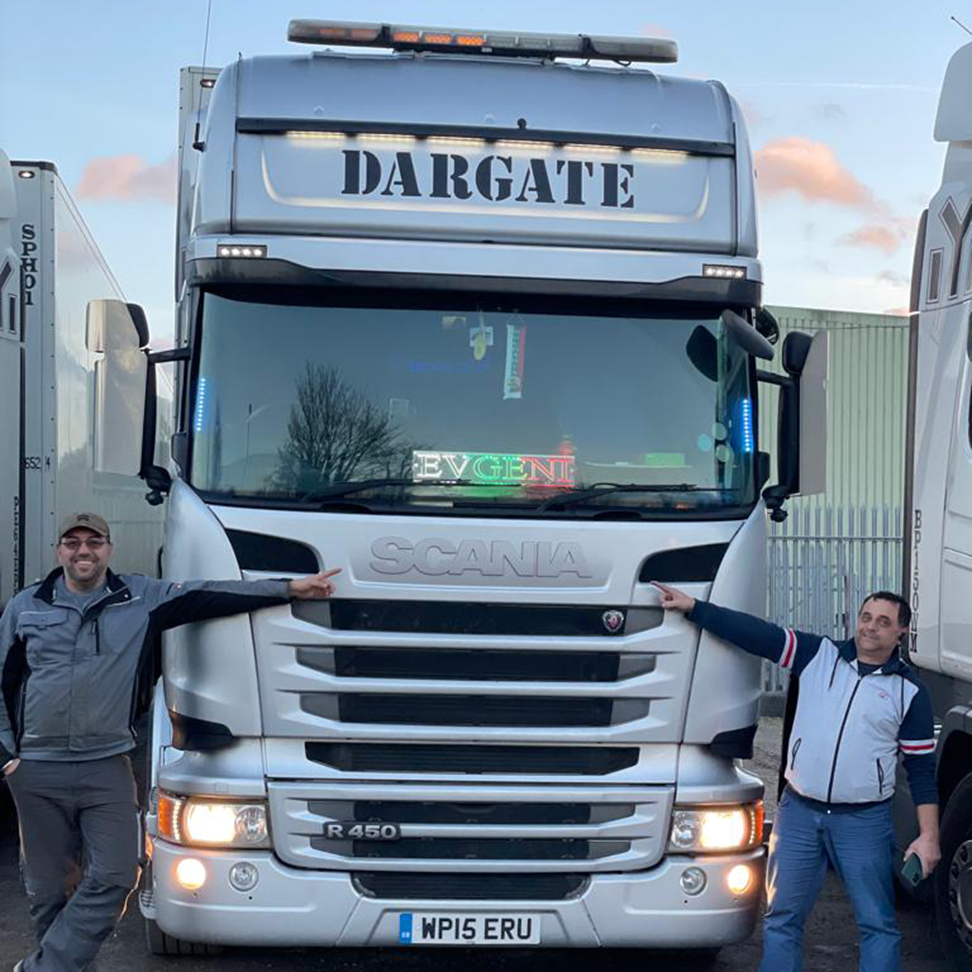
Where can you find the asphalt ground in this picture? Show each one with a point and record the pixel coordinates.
(831, 936)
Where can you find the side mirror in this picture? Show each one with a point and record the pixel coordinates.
(801, 447)
(118, 331)
(746, 336)
(813, 415)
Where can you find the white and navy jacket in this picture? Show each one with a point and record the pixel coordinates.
(849, 728)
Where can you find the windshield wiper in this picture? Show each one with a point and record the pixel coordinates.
(346, 489)
(580, 495)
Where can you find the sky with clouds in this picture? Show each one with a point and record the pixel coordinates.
(840, 99)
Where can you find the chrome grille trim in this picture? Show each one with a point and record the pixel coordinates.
(632, 838)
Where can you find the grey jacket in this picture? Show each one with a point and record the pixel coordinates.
(72, 684)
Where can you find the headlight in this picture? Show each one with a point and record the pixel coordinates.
(197, 821)
(705, 829)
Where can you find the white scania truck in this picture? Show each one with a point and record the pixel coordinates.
(477, 322)
(938, 568)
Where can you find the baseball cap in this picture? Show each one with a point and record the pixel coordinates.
(88, 521)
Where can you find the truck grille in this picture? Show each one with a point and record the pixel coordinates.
(429, 812)
(430, 848)
(472, 759)
(473, 827)
(476, 618)
(484, 664)
(472, 710)
(470, 887)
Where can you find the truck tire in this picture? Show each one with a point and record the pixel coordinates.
(953, 879)
(158, 943)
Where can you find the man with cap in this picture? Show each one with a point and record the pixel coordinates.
(77, 656)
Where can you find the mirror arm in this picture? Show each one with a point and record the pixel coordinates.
(156, 478)
(776, 496)
(770, 378)
(170, 354)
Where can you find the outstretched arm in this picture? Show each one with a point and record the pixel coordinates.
(787, 648)
(177, 604)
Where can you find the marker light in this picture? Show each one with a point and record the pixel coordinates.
(692, 881)
(697, 830)
(190, 873)
(739, 879)
(746, 414)
(244, 876)
(240, 250)
(26, 173)
(724, 272)
(409, 37)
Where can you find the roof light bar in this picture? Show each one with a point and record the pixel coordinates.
(726, 272)
(403, 37)
(240, 250)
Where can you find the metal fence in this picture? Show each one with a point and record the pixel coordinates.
(822, 562)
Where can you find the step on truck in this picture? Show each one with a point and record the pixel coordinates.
(477, 318)
(938, 528)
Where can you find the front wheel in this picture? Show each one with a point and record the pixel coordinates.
(159, 943)
(953, 879)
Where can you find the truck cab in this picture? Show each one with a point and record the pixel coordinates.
(477, 320)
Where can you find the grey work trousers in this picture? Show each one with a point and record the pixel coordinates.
(79, 836)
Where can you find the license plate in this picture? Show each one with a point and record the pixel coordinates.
(355, 830)
(432, 928)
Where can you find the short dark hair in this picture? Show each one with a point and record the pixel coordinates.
(904, 610)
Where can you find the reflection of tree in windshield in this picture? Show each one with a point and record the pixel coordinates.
(336, 435)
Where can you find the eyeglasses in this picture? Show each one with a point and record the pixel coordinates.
(73, 543)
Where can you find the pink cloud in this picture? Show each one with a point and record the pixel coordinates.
(897, 311)
(127, 178)
(810, 169)
(654, 30)
(886, 234)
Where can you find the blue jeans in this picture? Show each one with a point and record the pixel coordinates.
(859, 845)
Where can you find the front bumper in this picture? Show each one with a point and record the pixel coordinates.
(297, 907)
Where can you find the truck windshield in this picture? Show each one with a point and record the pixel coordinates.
(471, 404)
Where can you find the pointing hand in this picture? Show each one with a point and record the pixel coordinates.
(673, 599)
(314, 586)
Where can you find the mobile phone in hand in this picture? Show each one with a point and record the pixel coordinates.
(913, 872)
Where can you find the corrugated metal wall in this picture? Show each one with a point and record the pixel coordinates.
(836, 547)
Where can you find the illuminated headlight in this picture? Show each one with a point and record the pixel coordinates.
(194, 821)
(709, 829)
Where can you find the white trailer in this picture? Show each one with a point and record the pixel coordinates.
(478, 323)
(938, 534)
(50, 268)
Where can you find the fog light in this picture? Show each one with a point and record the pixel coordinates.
(692, 880)
(244, 876)
(739, 879)
(190, 873)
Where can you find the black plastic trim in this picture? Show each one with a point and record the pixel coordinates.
(198, 735)
(734, 743)
(213, 271)
(46, 166)
(258, 551)
(684, 565)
